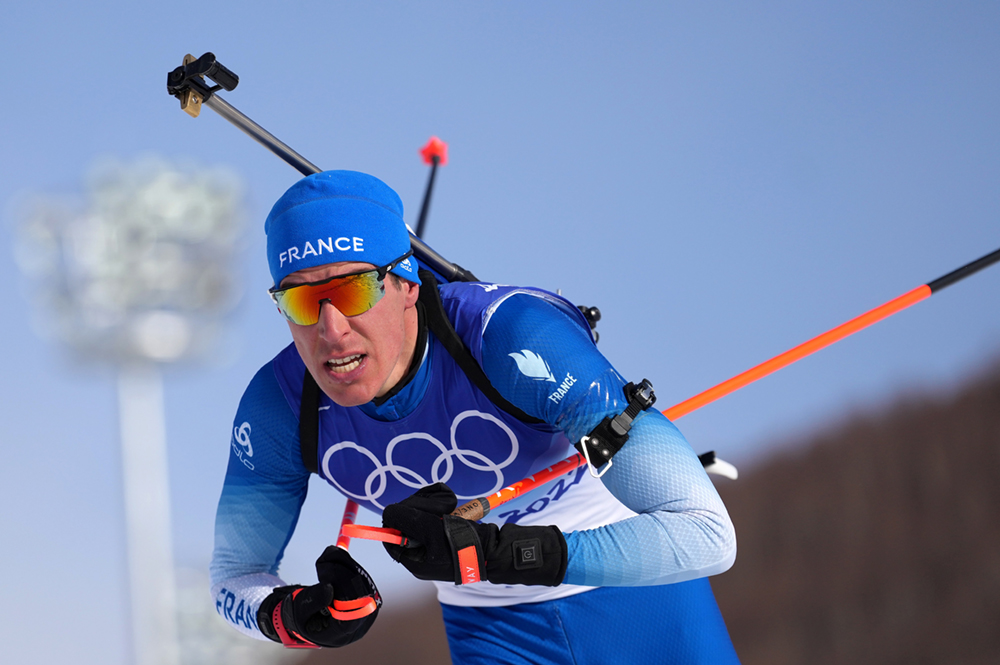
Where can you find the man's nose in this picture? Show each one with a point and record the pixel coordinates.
(332, 323)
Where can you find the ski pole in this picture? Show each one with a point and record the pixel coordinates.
(478, 508)
(434, 153)
(350, 515)
(346, 610)
(187, 83)
(834, 335)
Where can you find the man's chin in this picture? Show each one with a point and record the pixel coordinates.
(354, 396)
(351, 393)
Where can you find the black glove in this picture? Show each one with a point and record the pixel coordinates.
(298, 616)
(453, 549)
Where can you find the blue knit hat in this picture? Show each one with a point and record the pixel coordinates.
(337, 216)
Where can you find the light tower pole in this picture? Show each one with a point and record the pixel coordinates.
(139, 278)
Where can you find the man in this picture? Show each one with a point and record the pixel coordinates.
(583, 570)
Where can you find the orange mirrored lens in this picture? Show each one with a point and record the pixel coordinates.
(352, 295)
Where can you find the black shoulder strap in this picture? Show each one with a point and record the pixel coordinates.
(309, 422)
(439, 324)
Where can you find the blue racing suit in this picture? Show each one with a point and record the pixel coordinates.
(654, 518)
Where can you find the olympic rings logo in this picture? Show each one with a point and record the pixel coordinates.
(441, 469)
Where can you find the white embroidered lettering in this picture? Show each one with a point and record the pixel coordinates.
(346, 248)
(328, 245)
(359, 244)
(563, 388)
(308, 249)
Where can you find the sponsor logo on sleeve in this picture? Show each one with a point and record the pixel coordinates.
(241, 444)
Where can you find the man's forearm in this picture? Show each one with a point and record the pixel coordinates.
(237, 600)
(683, 530)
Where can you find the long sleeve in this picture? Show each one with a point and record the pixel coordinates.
(682, 530)
(262, 496)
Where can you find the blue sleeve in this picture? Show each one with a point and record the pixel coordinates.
(265, 484)
(544, 362)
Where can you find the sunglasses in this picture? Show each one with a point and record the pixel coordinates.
(352, 294)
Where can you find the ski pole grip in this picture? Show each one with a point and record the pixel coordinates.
(473, 511)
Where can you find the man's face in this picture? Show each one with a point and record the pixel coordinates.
(356, 359)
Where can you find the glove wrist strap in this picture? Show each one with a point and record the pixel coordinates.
(466, 549)
(289, 639)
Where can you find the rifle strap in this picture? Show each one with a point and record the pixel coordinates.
(309, 422)
(440, 325)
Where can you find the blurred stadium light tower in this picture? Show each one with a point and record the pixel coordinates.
(139, 279)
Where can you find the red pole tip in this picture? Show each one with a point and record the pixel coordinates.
(435, 148)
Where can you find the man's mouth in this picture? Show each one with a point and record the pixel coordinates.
(344, 365)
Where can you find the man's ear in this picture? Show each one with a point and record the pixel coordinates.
(411, 291)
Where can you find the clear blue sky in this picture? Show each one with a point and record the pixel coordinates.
(724, 180)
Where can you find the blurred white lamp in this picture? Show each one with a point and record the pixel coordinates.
(139, 279)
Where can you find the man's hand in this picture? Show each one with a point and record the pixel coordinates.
(299, 616)
(452, 549)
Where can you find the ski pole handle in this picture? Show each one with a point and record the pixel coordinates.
(357, 608)
(479, 508)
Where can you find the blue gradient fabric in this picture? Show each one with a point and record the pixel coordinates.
(682, 529)
(265, 484)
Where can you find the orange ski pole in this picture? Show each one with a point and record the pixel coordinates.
(479, 508)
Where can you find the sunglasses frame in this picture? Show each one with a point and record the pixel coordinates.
(275, 291)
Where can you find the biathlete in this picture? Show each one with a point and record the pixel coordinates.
(584, 570)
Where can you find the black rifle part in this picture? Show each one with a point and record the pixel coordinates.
(191, 76)
(605, 440)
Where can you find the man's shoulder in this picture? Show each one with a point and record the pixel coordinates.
(485, 297)
(282, 375)
(471, 305)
